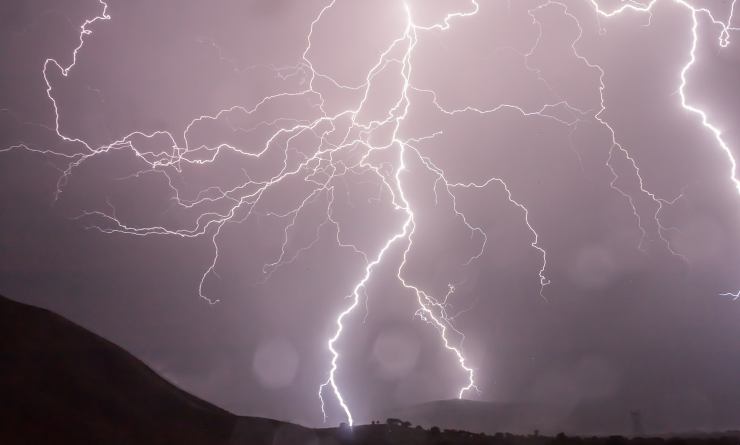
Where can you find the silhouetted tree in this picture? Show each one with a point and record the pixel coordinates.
(394, 422)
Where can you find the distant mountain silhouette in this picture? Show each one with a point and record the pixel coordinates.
(589, 418)
(62, 384)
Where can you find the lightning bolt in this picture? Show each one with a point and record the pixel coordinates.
(346, 143)
(723, 40)
(427, 304)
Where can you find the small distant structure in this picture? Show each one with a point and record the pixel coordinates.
(637, 427)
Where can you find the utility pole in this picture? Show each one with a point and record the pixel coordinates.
(637, 427)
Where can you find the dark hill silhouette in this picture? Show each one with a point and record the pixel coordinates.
(62, 384)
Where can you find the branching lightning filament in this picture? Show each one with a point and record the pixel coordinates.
(360, 141)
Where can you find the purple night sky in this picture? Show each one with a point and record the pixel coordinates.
(265, 153)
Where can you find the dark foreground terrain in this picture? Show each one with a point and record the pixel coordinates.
(60, 384)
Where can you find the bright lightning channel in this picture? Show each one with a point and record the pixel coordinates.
(323, 168)
(723, 40)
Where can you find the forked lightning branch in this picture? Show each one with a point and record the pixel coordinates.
(325, 166)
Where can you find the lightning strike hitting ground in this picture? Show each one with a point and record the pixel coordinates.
(324, 167)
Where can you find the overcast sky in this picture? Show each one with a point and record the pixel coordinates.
(633, 313)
